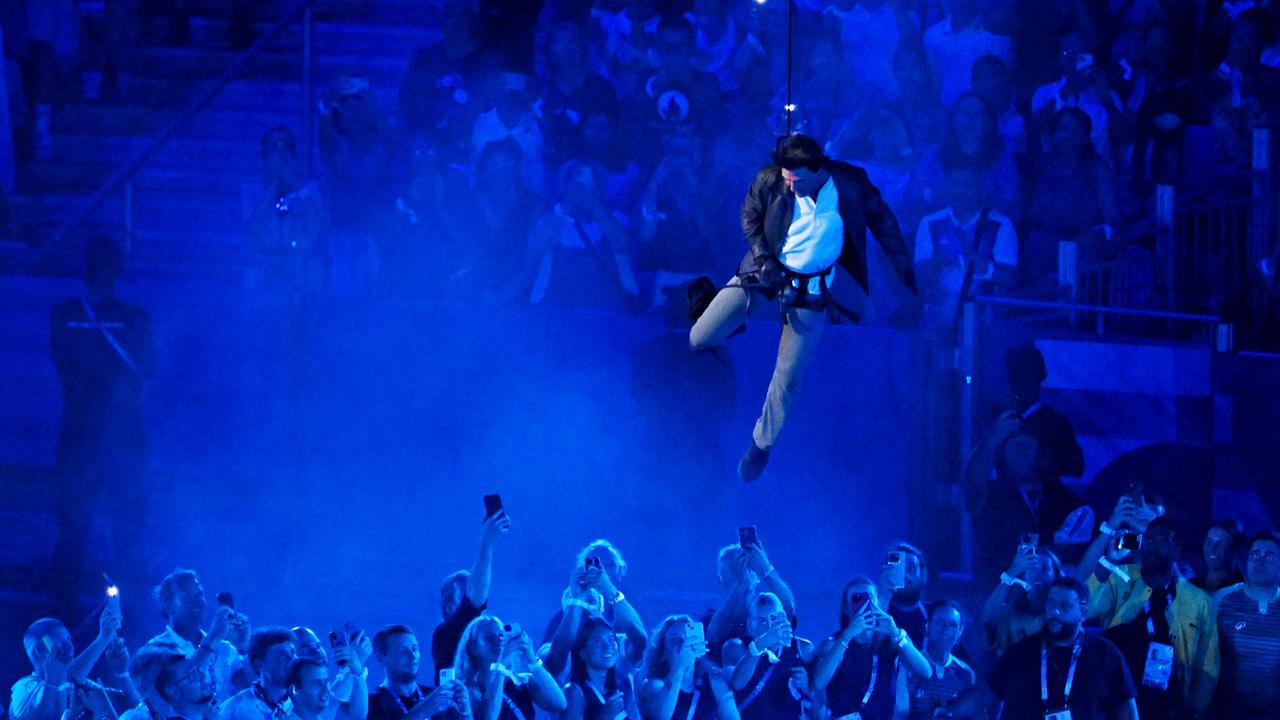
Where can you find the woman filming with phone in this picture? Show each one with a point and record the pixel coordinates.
(504, 676)
(679, 682)
(600, 686)
(768, 672)
(856, 666)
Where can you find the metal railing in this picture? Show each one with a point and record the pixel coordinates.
(123, 177)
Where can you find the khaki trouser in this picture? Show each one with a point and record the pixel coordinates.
(801, 329)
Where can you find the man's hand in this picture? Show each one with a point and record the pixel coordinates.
(238, 631)
(772, 271)
(117, 657)
(108, 624)
(221, 625)
(439, 700)
(362, 648)
(346, 655)
(495, 526)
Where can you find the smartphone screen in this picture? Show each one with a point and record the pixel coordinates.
(492, 505)
(446, 675)
(226, 600)
(747, 536)
(592, 562)
(859, 601)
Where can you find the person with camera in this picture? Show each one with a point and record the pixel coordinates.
(59, 686)
(1015, 608)
(1249, 633)
(1165, 627)
(745, 569)
(593, 593)
(903, 579)
(464, 595)
(856, 668)
(348, 686)
(600, 683)
(504, 677)
(1063, 672)
(172, 687)
(678, 681)
(768, 671)
(401, 696)
(271, 650)
(221, 648)
(803, 215)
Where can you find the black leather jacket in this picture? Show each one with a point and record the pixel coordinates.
(769, 205)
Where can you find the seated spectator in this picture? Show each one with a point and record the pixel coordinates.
(972, 141)
(59, 685)
(872, 32)
(1221, 556)
(593, 593)
(600, 685)
(878, 140)
(1249, 635)
(901, 588)
(271, 650)
(1153, 611)
(509, 115)
(569, 93)
(464, 595)
(678, 681)
(182, 605)
(918, 104)
(400, 696)
(1242, 93)
(955, 42)
(745, 572)
(172, 686)
(768, 671)
(1162, 103)
(950, 690)
(348, 690)
(1082, 673)
(604, 142)
(284, 222)
(678, 242)
(680, 103)
(504, 676)
(627, 32)
(856, 668)
(1083, 85)
(1015, 609)
(578, 252)
(964, 249)
(1073, 199)
(991, 80)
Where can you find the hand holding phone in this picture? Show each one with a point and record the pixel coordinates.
(226, 600)
(897, 573)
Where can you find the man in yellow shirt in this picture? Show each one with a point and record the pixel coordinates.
(1165, 627)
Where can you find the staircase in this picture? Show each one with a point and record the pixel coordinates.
(188, 199)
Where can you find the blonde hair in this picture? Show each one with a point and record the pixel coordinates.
(464, 663)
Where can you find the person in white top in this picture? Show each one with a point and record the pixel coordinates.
(803, 215)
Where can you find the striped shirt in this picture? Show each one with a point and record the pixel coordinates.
(948, 683)
(1249, 638)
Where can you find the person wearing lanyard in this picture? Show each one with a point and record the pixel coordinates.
(1064, 673)
(679, 683)
(869, 645)
(768, 669)
(599, 688)
(401, 697)
(504, 676)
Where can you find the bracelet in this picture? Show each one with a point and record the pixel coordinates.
(617, 598)
(1106, 529)
(771, 571)
(578, 603)
(1116, 570)
(754, 649)
(536, 664)
(903, 638)
(498, 667)
(843, 642)
(1007, 579)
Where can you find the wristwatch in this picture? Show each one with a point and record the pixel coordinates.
(617, 598)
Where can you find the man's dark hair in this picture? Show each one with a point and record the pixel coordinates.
(1074, 584)
(949, 603)
(799, 151)
(1167, 523)
(167, 590)
(263, 639)
(1026, 365)
(383, 637)
(1264, 536)
(296, 668)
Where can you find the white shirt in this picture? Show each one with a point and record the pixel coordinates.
(952, 53)
(816, 235)
(1004, 252)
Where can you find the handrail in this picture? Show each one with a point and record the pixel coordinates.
(1101, 309)
(126, 172)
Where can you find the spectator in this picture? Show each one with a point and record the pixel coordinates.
(1155, 607)
(504, 676)
(878, 140)
(271, 651)
(872, 32)
(745, 572)
(593, 593)
(679, 102)
(464, 595)
(678, 681)
(1243, 95)
(1083, 85)
(59, 683)
(400, 696)
(284, 223)
(569, 93)
(626, 32)
(973, 141)
(856, 666)
(991, 80)
(1100, 687)
(578, 252)
(1221, 556)
(53, 44)
(918, 104)
(1162, 103)
(902, 586)
(950, 690)
(1014, 611)
(104, 353)
(308, 683)
(348, 689)
(1073, 198)
(768, 673)
(441, 88)
(963, 247)
(955, 42)
(1249, 633)
(172, 686)
(510, 115)
(182, 605)
(600, 686)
